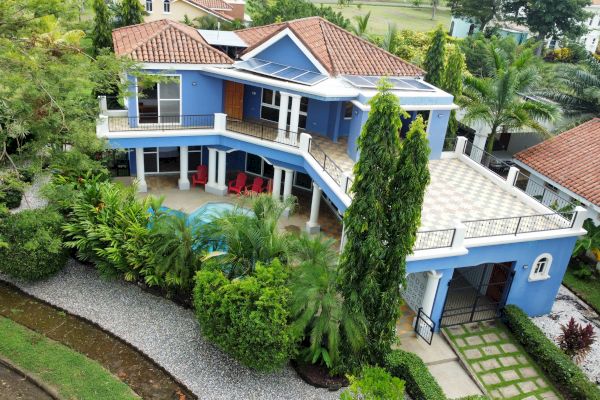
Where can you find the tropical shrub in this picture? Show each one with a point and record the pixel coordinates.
(317, 306)
(374, 383)
(420, 384)
(32, 247)
(11, 190)
(558, 366)
(247, 317)
(576, 339)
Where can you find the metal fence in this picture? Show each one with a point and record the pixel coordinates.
(146, 122)
(438, 239)
(333, 170)
(543, 194)
(518, 225)
(487, 160)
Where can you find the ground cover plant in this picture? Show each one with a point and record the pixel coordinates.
(72, 374)
(374, 383)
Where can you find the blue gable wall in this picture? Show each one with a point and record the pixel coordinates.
(359, 118)
(535, 298)
(285, 51)
(436, 132)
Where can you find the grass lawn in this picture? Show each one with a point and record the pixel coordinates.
(72, 374)
(588, 290)
(416, 19)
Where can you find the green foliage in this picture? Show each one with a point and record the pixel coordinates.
(482, 11)
(436, 58)
(590, 241)
(420, 384)
(130, 12)
(360, 28)
(316, 305)
(249, 237)
(453, 84)
(265, 12)
(102, 32)
(247, 317)
(412, 46)
(372, 266)
(11, 189)
(34, 239)
(559, 368)
(576, 339)
(374, 383)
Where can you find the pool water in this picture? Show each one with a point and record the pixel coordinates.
(209, 211)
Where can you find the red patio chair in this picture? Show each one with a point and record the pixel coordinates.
(238, 184)
(256, 187)
(201, 176)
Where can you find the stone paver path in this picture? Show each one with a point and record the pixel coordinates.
(499, 362)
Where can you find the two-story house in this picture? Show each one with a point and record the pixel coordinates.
(176, 10)
(289, 104)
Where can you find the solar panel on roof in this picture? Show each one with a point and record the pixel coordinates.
(371, 82)
(281, 71)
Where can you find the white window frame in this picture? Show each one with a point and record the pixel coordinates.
(274, 106)
(158, 99)
(201, 151)
(166, 6)
(540, 275)
(149, 6)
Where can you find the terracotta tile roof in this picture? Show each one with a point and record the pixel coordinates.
(215, 7)
(166, 41)
(339, 51)
(571, 159)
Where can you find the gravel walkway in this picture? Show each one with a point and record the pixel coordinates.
(568, 305)
(32, 198)
(168, 334)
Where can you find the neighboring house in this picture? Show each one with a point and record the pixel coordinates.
(461, 28)
(176, 10)
(290, 108)
(569, 165)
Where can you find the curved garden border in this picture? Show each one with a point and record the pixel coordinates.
(32, 378)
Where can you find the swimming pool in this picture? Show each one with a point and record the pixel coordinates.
(209, 211)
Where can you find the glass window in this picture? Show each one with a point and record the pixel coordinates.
(170, 89)
(541, 267)
(267, 96)
(348, 108)
(168, 159)
(254, 164)
(167, 6)
(150, 162)
(270, 107)
(302, 180)
(268, 170)
(149, 6)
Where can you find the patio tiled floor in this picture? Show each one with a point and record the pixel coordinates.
(499, 362)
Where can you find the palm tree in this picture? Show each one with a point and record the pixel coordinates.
(175, 257)
(362, 22)
(577, 89)
(390, 40)
(498, 101)
(317, 305)
(248, 236)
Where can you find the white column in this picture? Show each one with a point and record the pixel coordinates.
(294, 119)
(513, 173)
(140, 170)
(213, 186)
(287, 183)
(276, 182)
(184, 182)
(220, 122)
(283, 113)
(312, 226)
(103, 105)
(479, 142)
(433, 279)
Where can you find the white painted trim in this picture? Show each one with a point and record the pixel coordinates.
(274, 39)
(137, 90)
(540, 276)
(180, 67)
(432, 254)
(412, 107)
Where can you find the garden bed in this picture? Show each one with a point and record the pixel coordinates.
(318, 376)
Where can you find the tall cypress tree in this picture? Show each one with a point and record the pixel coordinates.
(131, 12)
(435, 58)
(101, 35)
(453, 84)
(369, 282)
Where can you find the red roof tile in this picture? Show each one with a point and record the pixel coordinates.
(339, 51)
(571, 159)
(218, 8)
(166, 41)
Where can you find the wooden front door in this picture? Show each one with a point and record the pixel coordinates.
(234, 99)
(498, 280)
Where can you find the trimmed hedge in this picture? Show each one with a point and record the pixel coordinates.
(557, 365)
(420, 384)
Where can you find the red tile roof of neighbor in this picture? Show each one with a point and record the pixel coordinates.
(166, 41)
(571, 159)
(339, 51)
(215, 7)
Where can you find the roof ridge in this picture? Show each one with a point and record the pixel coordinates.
(165, 26)
(334, 71)
(251, 28)
(162, 20)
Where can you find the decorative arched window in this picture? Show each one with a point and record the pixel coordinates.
(540, 269)
(167, 6)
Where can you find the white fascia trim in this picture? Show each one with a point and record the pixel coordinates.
(413, 107)
(577, 197)
(524, 237)
(183, 67)
(297, 42)
(262, 80)
(432, 254)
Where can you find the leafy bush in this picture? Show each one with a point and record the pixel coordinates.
(374, 383)
(420, 384)
(576, 340)
(247, 317)
(11, 190)
(560, 369)
(33, 244)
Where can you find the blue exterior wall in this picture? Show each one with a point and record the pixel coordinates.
(359, 118)
(252, 100)
(285, 51)
(535, 298)
(436, 132)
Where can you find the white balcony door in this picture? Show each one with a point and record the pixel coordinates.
(160, 102)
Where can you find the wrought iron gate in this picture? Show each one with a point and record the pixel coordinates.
(469, 301)
(424, 326)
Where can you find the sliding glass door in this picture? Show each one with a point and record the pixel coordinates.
(160, 102)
